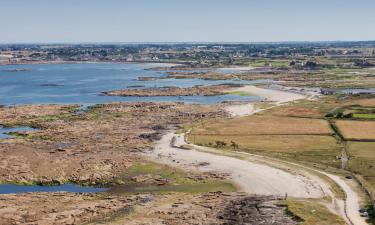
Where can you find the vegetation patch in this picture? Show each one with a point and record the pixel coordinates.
(291, 138)
(149, 177)
(364, 116)
(240, 93)
(362, 161)
(311, 213)
(308, 148)
(264, 125)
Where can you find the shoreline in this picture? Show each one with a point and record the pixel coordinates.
(166, 64)
(277, 97)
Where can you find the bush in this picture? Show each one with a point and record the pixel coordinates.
(220, 144)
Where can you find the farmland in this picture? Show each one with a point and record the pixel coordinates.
(357, 130)
(300, 139)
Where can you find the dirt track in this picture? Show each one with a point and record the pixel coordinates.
(255, 177)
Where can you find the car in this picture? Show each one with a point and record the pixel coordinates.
(363, 212)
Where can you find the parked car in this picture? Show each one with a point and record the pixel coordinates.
(363, 212)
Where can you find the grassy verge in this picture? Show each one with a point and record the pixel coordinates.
(311, 213)
(362, 162)
(371, 213)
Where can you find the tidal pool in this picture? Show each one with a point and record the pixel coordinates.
(186, 188)
(14, 189)
(5, 131)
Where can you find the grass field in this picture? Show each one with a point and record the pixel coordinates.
(308, 148)
(367, 102)
(306, 108)
(356, 129)
(297, 139)
(364, 116)
(362, 161)
(265, 125)
(311, 213)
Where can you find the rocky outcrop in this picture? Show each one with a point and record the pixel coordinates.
(211, 90)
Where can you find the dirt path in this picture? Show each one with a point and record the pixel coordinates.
(255, 175)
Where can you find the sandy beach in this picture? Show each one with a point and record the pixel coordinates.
(269, 95)
(253, 178)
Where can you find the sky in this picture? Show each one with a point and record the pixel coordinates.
(77, 21)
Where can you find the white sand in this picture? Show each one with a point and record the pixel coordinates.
(251, 177)
(269, 95)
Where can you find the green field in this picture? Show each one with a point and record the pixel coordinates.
(364, 116)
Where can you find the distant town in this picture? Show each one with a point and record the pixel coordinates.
(301, 54)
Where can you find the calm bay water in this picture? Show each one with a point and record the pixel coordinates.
(83, 83)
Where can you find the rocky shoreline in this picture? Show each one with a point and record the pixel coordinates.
(94, 147)
(174, 209)
(211, 90)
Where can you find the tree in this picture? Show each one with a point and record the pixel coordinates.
(234, 145)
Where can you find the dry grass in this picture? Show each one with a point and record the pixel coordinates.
(306, 108)
(368, 102)
(362, 161)
(356, 130)
(291, 138)
(265, 125)
(318, 109)
(300, 111)
(312, 213)
(307, 148)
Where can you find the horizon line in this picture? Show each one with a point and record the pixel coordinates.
(182, 42)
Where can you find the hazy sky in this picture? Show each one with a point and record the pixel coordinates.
(185, 20)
